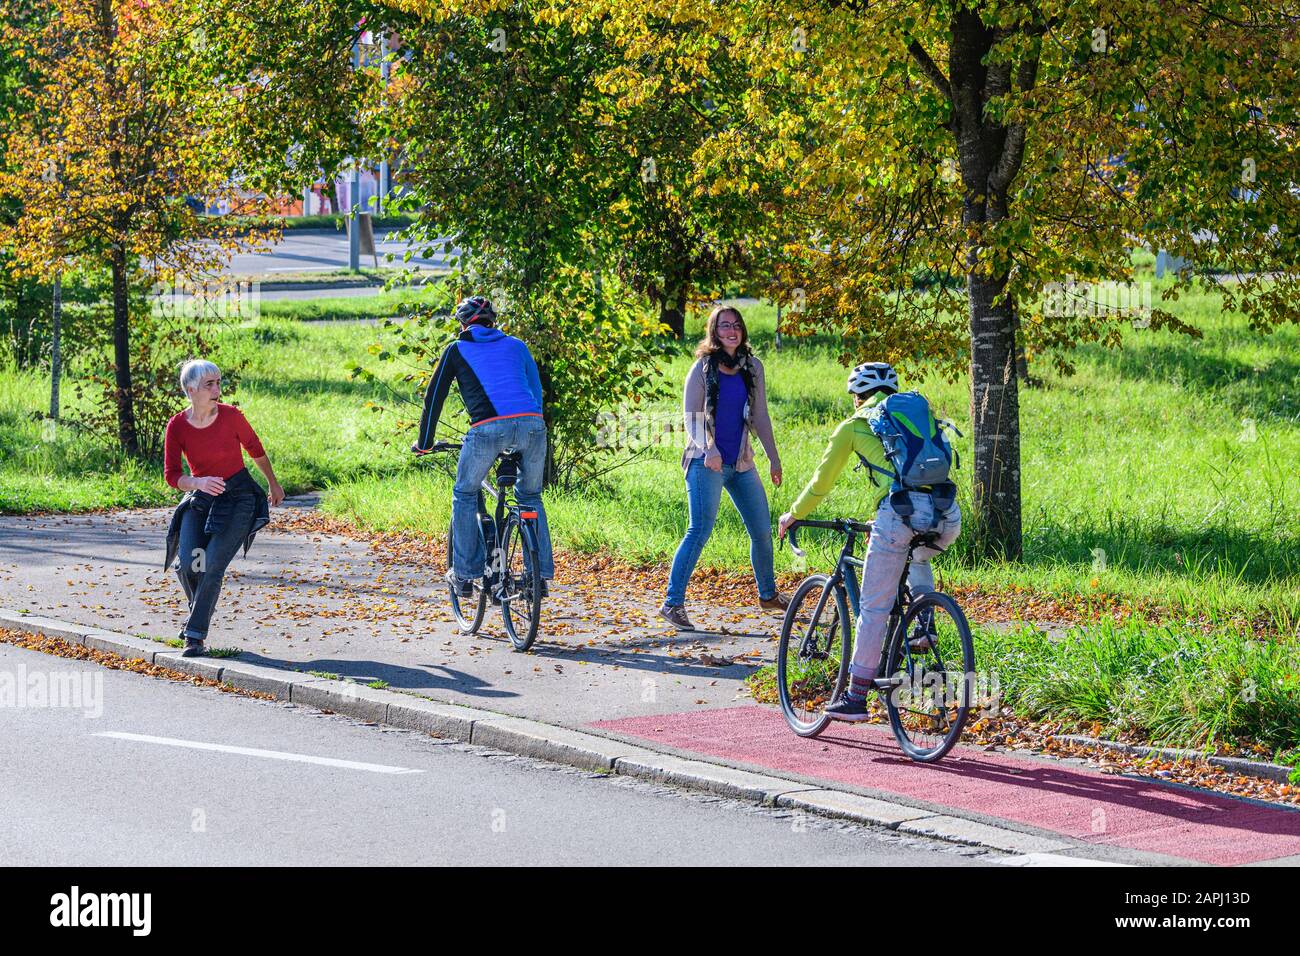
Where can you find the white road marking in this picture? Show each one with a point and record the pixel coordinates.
(254, 752)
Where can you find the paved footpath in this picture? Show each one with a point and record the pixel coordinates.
(334, 604)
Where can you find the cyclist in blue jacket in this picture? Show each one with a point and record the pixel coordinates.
(502, 392)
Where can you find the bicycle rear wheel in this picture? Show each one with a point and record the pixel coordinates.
(812, 657)
(931, 664)
(521, 582)
(468, 610)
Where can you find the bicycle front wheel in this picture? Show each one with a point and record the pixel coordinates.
(812, 657)
(521, 583)
(931, 667)
(468, 610)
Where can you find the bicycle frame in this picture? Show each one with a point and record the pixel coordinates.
(846, 575)
(503, 505)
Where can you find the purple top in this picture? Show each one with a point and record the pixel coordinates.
(729, 423)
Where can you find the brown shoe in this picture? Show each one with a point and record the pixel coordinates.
(778, 602)
(675, 615)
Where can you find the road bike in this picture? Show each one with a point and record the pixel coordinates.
(513, 576)
(927, 661)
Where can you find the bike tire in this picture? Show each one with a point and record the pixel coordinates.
(816, 680)
(469, 611)
(521, 589)
(954, 648)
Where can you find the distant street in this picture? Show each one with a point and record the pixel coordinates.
(321, 252)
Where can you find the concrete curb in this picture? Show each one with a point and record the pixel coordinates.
(532, 738)
(1261, 769)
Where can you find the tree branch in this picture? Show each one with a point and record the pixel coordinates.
(930, 69)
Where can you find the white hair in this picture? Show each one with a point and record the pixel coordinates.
(194, 371)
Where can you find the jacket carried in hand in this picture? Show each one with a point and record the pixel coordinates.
(215, 508)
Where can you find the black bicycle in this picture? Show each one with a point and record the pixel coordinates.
(513, 577)
(927, 662)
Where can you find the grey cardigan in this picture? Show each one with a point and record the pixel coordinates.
(699, 430)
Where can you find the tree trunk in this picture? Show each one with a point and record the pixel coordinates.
(126, 430)
(1022, 358)
(990, 155)
(672, 305)
(549, 472)
(56, 345)
(995, 415)
(672, 313)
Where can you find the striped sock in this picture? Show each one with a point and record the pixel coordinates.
(859, 687)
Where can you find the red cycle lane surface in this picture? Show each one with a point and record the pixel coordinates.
(1083, 804)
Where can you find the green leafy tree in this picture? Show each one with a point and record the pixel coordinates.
(116, 160)
(503, 150)
(25, 301)
(949, 164)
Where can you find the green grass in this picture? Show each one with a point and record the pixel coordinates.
(381, 305)
(224, 652)
(1169, 685)
(363, 276)
(324, 221)
(1144, 455)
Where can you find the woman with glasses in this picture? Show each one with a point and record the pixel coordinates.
(725, 401)
(224, 507)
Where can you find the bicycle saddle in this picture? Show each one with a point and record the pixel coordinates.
(508, 468)
(928, 539)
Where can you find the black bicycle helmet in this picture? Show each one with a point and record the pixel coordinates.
(475, 309)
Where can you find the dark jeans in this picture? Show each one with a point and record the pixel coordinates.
(202, 558)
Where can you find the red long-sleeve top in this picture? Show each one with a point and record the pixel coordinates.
(211, 451)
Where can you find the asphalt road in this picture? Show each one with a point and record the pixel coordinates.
(319, 252)
(330, 603)
(146, 771)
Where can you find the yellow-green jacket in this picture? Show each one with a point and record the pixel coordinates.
(850, 436)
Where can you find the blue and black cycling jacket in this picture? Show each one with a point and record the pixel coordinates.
(497, 377)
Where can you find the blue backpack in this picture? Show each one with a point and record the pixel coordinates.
(918, 451)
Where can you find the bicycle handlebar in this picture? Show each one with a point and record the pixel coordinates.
(842, 525)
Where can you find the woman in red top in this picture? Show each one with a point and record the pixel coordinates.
(225, 506)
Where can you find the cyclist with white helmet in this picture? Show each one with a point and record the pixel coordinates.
(891, 534)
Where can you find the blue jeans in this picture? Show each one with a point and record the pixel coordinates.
(203, 558)
(482, 444)
(704, 495)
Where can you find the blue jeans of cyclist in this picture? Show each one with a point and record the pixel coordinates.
(704, 495)
(482, 444)
(883, 566)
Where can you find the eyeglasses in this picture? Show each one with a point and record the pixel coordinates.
(729, 327)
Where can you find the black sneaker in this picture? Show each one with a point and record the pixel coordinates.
(849, 710)
(193, 648)
(923, 636)
(460, 588)
(675, 615)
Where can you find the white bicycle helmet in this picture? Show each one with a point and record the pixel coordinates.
(870, 376)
